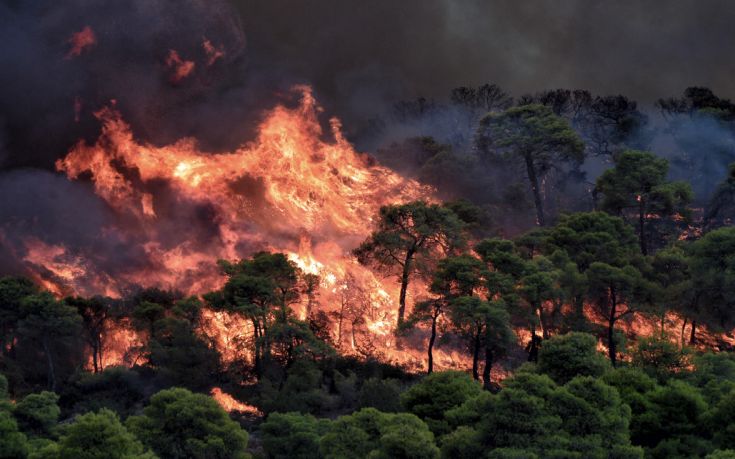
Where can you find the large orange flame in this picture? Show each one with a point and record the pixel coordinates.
(295, 189)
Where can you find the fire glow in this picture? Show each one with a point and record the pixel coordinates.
(295, 189)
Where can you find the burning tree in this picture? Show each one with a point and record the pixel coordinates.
(354, 306)
(262, 289)
(409, 238)
(96, 313)
(454, 277)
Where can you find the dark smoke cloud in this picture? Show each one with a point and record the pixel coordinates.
(41, 83)
(359, 54)
(361, 57)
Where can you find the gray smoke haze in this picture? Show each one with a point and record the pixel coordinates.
(361, 54)
(360, 57)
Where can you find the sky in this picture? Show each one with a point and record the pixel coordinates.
(360, 57)
(359, 54)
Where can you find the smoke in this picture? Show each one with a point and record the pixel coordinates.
(359, 56)
(62, 62)
(207, 69)
(699, 149)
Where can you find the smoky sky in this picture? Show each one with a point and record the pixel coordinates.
(359, 56)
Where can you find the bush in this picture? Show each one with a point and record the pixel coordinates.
(100, 436)
(437, 393)
(178, 424)
(575, 354)
(382, 394)
(290, 435)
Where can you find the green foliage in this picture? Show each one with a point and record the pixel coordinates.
(534, 136)
(38, 414)
(405, 435)
(51, 325)
(180, 424)
(462, 443)
(721, 454)
(301, 390)
(408, 237)
(633, 385)
(3, 387)
(713, 277)
(565, 356)
(610, 416)
(181, 357)
(660, 358)
(116, 388)
(12, 292)
(370, 433)
(13, 443)
(485, 326)
(722, 421)
(517, 419)
(382, 394)
(290, 435)
(674, 410)
(714, 374)
(722, 203)
(589, 237)
(261, 289)
(438, 393)
(95, 312)
(345, 440)
(638, 185)
(99, 436)
(532, 415)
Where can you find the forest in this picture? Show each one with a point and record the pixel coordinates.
(585, 284)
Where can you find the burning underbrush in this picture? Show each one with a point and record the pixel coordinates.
(298, 188)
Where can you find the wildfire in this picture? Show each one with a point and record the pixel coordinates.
(227, 402)
(295, 189)
(213, 53)
(81, 41)
(180, 68)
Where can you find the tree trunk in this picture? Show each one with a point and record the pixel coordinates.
(579, 319)
(612, 348)
(642, 225)
(693, 334)
(488, 366)
(476, 356)
(256, 354)
(50, 360)
(340, 322)
(94, 358)
(100, 356)
(533, 346)
(683, 327)
(663, 325)
(404, 283)
(531, 170)
(543, 321)
(432, 338)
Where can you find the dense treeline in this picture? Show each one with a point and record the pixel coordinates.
(546, 310)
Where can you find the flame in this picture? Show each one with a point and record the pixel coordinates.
(81, 41)
(227, 402)
(295, 189)
(180, 68)
(213, 53)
